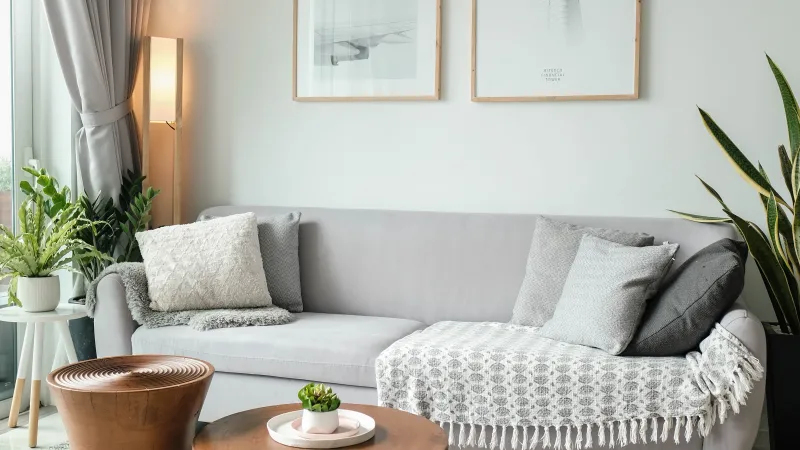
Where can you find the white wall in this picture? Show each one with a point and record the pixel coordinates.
(248, 143)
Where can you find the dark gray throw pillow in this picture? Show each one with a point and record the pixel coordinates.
(691, 301)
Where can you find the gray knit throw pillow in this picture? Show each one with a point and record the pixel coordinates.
(553, 249)
(606, 292)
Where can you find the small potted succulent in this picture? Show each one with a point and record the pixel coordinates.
(320, 404)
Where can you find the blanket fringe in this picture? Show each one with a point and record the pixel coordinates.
(612, 433)
(471, 440)
(589, 442)
(524, 438)
(535, 440)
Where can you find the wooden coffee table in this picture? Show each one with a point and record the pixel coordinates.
(395, 430)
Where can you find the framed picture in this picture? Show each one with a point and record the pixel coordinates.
(366, 50)
(546, 50)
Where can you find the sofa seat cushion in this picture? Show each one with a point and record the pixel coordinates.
(327, 348)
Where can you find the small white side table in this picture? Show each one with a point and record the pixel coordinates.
(32, 347)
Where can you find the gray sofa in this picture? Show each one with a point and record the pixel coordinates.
(372, 277)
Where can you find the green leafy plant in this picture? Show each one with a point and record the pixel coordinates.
(130, 214)
(47, 241)
(318, 398)
(776, 252)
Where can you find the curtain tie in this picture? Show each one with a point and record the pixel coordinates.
(96, 119)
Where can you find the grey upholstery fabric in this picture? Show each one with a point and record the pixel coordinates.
(279, 240)
(327, 348)
(349, 257)
(609, 285)
(552, 252)
(691, 301)
(440, 266)
(231, 393)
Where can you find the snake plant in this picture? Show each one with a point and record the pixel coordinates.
(48, 238)
(776, 251)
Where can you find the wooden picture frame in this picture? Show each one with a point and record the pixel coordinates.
(633, 95)
(434, 95)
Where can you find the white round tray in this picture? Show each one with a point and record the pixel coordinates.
(281, 431)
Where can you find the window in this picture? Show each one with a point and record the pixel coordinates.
(15, 135)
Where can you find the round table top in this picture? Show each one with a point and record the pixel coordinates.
(130, 373)
(394, 430)
(60, 314)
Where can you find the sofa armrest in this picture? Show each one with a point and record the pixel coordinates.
(113, 324)
(739, 430)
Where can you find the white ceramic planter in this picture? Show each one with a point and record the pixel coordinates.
(320, 422)
(39, 294)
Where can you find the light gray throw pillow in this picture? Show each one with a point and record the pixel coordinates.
(552, 252)
(279, 243)
(606, 293)
(214, 264)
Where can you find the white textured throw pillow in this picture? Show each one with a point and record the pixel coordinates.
(606, 292)
(205, 265)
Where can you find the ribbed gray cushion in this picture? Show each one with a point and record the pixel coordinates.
(692, 300)
(606, 293)
(552, 252)
(279, 242)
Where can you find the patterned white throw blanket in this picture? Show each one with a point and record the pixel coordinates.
(502, 386)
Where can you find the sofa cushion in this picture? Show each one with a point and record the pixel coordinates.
(608, 283)
(326, 348)
(553, 249)
(691, 301)
(279, 240)
(205, 265)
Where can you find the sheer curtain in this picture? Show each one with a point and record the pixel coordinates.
(98, 43)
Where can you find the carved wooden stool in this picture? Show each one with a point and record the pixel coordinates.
(131, 402)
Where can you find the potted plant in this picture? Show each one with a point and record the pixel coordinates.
(320, 404)
(121, 219)
(777, 256)
(47, 242)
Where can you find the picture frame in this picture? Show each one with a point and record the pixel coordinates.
(605, 67)
(366, 50)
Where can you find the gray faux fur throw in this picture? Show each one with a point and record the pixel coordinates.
(134, 280)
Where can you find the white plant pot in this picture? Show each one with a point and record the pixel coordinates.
(39, 294)
(320, 422)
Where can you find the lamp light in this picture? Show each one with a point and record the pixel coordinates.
(162, 89)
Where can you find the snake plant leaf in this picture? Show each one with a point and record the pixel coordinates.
(775, 305)
(774, 230)
(770, 266)
(701, 219)
(740, 162)
(790, 107)
(786, 170)
(713, 192)
(786, 232)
